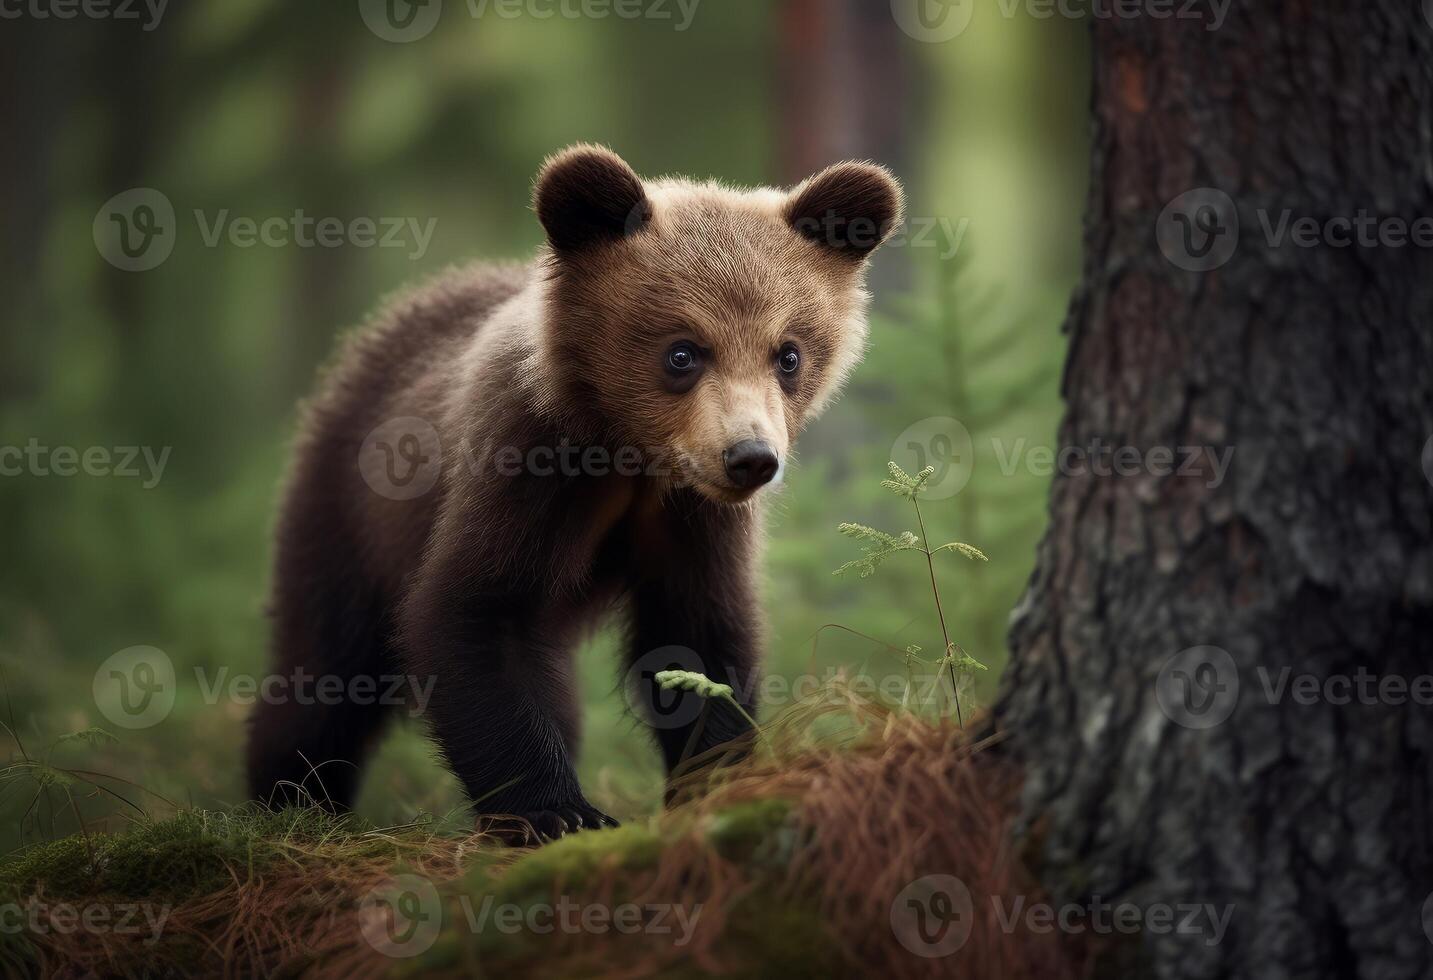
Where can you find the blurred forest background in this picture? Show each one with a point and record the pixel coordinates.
(260, 108)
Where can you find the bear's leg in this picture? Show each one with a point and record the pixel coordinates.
(503, 709)
(693, 622)
(325, 703)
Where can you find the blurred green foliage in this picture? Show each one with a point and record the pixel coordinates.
(259, 108)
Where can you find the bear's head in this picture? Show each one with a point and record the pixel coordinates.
(701, 324)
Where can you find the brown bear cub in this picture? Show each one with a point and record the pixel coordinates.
(511, 452)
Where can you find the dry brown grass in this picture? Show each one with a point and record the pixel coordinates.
(891, 800)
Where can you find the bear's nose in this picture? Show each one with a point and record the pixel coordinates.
(750, 463)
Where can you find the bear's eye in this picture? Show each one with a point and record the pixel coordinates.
(788, 359)
(681, 358)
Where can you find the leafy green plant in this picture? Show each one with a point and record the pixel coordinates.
(47, 777)
(880, 545)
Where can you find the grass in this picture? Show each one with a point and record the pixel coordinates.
(791, 862)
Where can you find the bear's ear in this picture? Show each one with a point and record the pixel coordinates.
(849, 207)
(586, 195)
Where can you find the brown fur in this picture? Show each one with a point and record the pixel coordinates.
(487, 581)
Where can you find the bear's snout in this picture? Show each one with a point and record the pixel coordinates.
(750, 463)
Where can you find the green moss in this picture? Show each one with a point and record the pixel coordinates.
(485, 921)
(758, 828)
(781, 937)
(576, 858)
(188, 854)
(769, 932)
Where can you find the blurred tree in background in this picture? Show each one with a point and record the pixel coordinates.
(254, 109)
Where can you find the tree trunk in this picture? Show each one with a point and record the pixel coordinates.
(845, 86)
(1310, 819)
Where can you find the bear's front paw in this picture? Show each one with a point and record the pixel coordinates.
(534, 827)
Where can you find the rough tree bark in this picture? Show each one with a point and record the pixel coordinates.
(1315, 552)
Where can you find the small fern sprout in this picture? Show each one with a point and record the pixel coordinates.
(912, 657)
(879, 545)
(905, 485)
(89, 736)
